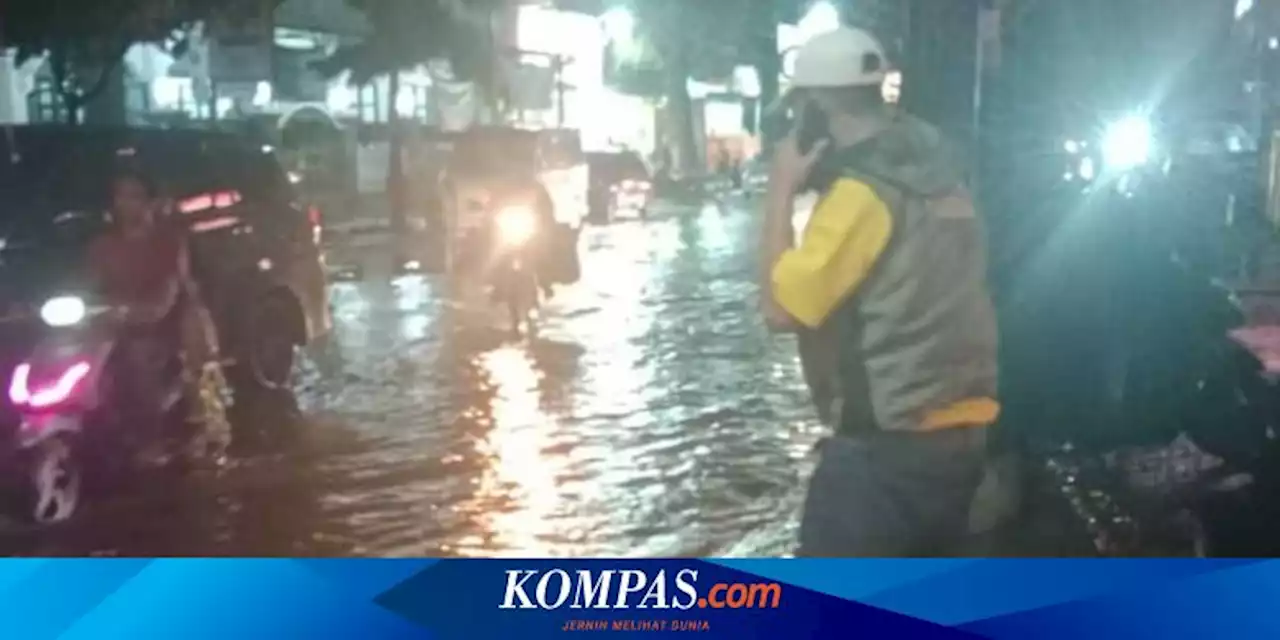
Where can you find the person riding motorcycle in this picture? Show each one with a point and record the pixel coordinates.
(893, 259)
(476, 252)
(141, 266)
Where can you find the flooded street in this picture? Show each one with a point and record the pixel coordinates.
(651, 415)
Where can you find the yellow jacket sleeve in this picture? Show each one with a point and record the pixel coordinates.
(848, 231)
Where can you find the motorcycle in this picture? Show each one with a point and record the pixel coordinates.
(1188, 463)
(514, 274)
(1175, 450)
(75, 427)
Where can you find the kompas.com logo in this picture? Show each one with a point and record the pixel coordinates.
(631, 589)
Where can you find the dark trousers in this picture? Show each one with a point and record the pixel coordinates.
(886, 494)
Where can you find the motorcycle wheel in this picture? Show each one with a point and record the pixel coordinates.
(52, 488)
(268, 359)
(522, 300)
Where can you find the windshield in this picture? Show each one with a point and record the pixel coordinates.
(618, 165)
(66, 178)
(491, 152)
(59, 196)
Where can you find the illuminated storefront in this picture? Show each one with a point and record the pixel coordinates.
(578, 98)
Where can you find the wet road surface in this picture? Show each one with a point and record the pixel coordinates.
(651, 415)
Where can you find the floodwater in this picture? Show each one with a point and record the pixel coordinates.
(652, 414)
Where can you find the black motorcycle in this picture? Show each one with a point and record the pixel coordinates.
(1173, 449)
(1184, 460)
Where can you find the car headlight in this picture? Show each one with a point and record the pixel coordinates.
(64, 311)
(516, 225)
(1127, 143)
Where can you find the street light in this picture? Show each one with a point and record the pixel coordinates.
(619, 24)
(821, 18)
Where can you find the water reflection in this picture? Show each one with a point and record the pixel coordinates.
(518, 487)
(414, 300)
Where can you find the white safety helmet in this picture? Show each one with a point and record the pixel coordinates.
(845, 57)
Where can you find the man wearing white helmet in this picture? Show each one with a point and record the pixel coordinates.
(892, 263)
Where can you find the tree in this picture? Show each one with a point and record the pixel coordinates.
(406, 34)
(86, 41)
(707, 39)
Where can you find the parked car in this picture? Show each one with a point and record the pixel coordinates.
(621, 184)
(254, 248)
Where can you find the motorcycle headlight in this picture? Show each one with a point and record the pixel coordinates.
(1127, 143)
(64, 311)
(516, 225)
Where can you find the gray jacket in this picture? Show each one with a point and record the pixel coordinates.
(919, 334)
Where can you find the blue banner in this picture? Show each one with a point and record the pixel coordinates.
(477, 599)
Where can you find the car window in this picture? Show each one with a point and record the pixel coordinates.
(561, 149)
(632, 164)
(485, 151)
(54, 175)
(223, 174)
(186, 172)
(619, 166)
(261, 176)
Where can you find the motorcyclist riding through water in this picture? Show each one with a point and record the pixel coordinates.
(141, 266)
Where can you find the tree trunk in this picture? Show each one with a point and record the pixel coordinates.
(680, 114)
(769, 69)
(941, 68)
(59, 67)
(71, 102)
(104, 102)
(395, 146)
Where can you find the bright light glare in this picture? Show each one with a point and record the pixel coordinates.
(1087, 170)
(1127, 143)
(821, 18)
(619, 24)
(263, 94)
(406, 104)
(516, 225)
(63, 312)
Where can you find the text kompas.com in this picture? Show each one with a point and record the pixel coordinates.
(631, 588)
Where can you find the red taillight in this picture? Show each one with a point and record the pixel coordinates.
(196, 204)
(21, 394)
(207, 201)
(224, 199)
(313, 215)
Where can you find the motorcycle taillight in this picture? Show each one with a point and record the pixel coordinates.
(317, 223)
(42, 396)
